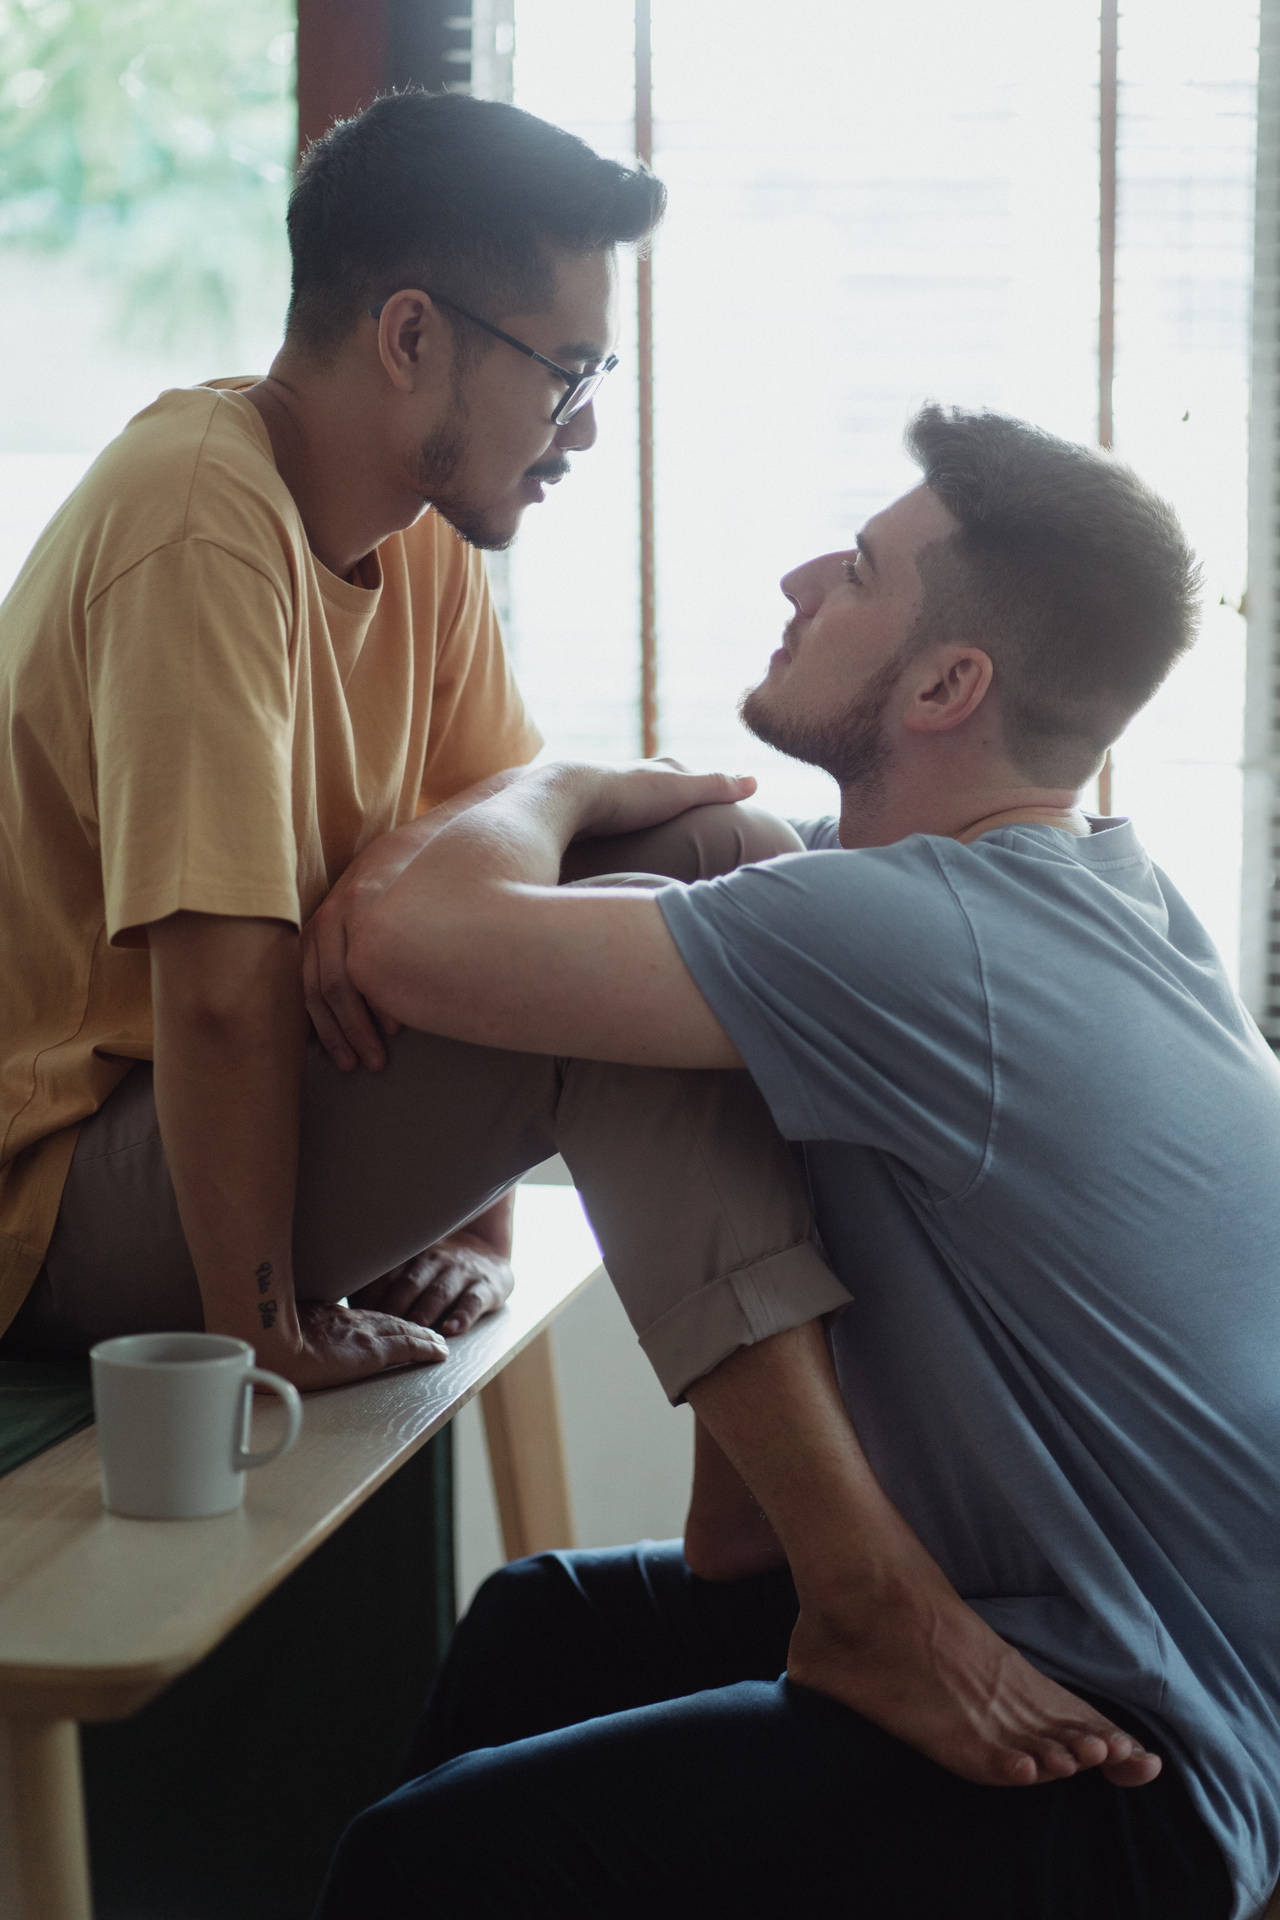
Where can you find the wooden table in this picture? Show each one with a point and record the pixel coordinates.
(98, 1614)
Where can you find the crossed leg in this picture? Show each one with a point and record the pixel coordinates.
(880, 1627)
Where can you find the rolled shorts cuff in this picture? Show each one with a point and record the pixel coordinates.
(740, 1309)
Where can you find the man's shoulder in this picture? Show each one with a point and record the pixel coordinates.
(197, 462)
(194, 465)
(828, 898)
(1080, 890)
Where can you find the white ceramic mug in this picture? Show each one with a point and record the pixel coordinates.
(173, 1413)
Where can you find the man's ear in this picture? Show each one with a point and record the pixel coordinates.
(948, 689)
(411, 331)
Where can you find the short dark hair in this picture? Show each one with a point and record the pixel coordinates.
(1067, 570)
(462, 197)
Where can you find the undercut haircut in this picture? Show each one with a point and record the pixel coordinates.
(460, 197)
(1067, 570)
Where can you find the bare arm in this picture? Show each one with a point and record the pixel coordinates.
(229, 1038)
(476, 940)
(228, 1044)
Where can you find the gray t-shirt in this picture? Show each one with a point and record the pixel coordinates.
(1043, 1137)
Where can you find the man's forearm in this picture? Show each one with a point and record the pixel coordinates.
(453, 898)
(229, 1041)
(519, 831)
(477, 940)
(385, 859)
(512, 829)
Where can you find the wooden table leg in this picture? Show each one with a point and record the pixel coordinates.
(526, 1453)
(44, 1855)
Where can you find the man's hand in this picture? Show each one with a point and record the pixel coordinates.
(456, 1282)
(644, 794)
(350, 1030)
(346, 1025)
(450, 1286)
(332, 1346)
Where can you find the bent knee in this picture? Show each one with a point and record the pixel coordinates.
(696, 845)
(738, 836)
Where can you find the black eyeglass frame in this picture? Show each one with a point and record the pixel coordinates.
(581, 386)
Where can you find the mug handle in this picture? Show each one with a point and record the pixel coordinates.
(293, 1412)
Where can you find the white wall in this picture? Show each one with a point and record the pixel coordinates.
(629, 1452)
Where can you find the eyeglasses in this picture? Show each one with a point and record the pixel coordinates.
(581, 386)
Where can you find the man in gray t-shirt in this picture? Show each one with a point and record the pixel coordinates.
(1041, 1135)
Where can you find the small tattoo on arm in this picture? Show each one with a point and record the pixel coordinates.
(262, 1275)
(267, 1311)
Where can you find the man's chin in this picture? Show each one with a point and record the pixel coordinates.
(753, 711)
(852, 746)
(491, 531)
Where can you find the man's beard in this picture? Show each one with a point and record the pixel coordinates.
(439, 459)
(851, 745)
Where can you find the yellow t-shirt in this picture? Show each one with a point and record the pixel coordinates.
(195, 714)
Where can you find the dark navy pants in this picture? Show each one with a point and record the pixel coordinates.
(609, 1737)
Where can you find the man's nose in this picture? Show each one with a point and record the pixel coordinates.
(576, 435)
(803, 586)
(808, 585)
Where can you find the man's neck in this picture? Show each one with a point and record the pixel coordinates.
(964, 818)
(330, 464)
(1068, 819)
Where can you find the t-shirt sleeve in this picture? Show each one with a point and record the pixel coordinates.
(819, 835)
(851, 986)
(191, 709)
(479, 723)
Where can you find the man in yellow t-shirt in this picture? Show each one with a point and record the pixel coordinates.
(255, 639)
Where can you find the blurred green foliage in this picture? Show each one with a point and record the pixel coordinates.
(150, 142)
